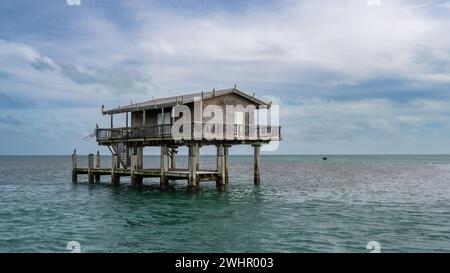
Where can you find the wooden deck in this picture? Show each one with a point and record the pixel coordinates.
(204, 175)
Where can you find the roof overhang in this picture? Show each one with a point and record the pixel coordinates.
(182, 99)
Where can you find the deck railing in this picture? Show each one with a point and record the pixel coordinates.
(164, 131)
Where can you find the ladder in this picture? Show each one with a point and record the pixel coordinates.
(120, 151)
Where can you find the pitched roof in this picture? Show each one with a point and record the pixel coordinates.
(182, 99)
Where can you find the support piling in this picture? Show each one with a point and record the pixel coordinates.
(256, 158)
(226, 160)
(164, 182)
(74, 167)
(90, 168)
(220, 181)
(115, 178)
(192, 166)
(97, 165)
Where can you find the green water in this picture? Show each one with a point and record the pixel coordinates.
(304, 204)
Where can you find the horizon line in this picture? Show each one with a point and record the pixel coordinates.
(209, 154)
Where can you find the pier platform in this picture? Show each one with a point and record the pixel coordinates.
(193, 174)
(204, 175)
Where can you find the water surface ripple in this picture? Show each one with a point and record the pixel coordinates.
(304, 204)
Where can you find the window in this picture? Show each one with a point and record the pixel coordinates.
(164, 119)
(239, 118)
(239, 123)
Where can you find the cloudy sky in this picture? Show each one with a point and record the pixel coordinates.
(356, 76)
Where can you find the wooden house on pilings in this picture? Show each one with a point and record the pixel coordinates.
(219, 117)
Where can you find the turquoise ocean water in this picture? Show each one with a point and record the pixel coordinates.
(304, 204)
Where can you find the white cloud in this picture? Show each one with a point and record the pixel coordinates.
(354, 40)
(28, 73)
(331, 45)
(357, 126)
(318, 43)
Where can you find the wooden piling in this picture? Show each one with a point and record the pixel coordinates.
(256, 157)
(197, 157)
(226, 160)
(220, 181)
(97, 165)
(74, 167)
(140, 157)
(90, 168)
(192, 166)
(164, 182)
(173, 161)
(135, 179)
(115, 178)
